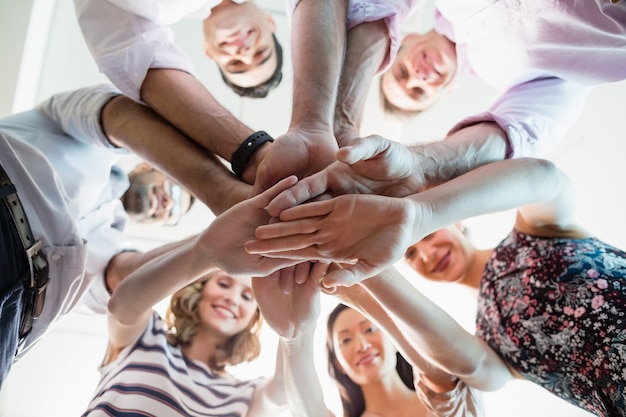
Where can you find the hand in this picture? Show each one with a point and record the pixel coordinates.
(290, 315)
(298, 152)
(368, 233)
(226, 235)
(371, 165)
(291, 276)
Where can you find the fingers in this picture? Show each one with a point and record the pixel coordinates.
(293, 247)
(279, 229)
(305, 190)
(362, 149)
(286, 280)
(301, 273)
(349, 275)
(269, 266)
(265, 197)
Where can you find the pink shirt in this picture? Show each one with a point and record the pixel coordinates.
(545, 54)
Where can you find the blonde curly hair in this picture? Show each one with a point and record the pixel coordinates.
(182, 321)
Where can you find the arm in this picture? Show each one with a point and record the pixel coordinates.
(293, 317)
(137, 127)
(360, 299)
(137, 52)
(269, 397)
(186, 103)
(436, 335)
(219, 246)
(317, 44)
(367, 45)
(375, 165)
(348, 228)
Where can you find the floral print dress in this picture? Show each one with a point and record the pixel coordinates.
(555, 310)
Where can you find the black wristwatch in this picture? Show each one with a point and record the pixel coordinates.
(242, 155)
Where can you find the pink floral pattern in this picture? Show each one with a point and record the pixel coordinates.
(555, 310)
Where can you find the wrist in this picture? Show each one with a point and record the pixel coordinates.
(344, 133)
(244, 153)
(300, 339)
(249, 174)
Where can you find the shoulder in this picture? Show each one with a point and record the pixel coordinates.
(550, 230)
(155, 334)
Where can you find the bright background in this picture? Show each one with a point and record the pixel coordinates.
(43, 53)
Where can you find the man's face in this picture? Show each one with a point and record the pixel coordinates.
(423, 71)
(153, 198)
(239, 38)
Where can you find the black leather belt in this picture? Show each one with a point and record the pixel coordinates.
(35, 285)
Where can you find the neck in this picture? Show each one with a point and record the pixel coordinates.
(388, 396)
(477, 268)
(203, 348)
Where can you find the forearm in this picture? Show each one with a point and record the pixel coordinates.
(183, 101)
(134, 126)
(437, 335)
(494, 187)
(367, 45)
(270, 397)
(158, 274)
(317, 43)
(303, 389)
(460, 152)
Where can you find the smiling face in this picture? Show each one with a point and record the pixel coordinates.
(364, 353)
(443, 256)
(423, 71)
(227, 306)
(153, 198)
(239, 38)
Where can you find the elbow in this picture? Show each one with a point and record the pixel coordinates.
(487, 373)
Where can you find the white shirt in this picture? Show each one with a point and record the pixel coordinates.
(63, 168)
(128, 37)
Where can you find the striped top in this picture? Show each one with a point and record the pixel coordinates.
(153, 378)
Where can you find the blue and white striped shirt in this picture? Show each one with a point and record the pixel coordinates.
(153, 378)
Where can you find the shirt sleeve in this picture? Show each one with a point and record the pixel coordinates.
(461, 401)
(535, 114)
(104, 230)
(125, 45)
(77, 112)
(393, 12)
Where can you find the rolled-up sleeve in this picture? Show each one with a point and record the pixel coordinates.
(125, 45)
(460, 401)
(78, 112)
(535, 114)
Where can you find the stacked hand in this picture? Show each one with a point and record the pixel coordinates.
(290, 315)
(298, 152)
(371, 165)
(228, 233)
(366, 233)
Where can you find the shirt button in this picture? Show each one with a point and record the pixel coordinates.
(56, 257)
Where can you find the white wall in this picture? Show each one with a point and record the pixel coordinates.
(62, 369)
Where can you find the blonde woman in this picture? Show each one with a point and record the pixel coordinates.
(177, 367)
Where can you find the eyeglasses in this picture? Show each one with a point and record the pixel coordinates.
(175, 192)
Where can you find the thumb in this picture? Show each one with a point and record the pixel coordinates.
(349, 274)
(362, 149)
